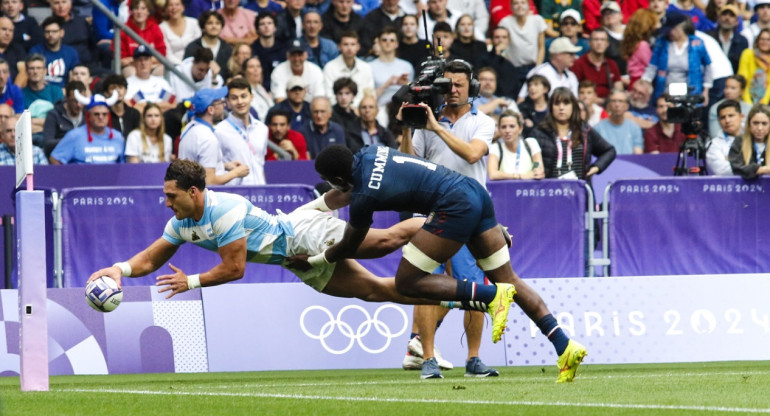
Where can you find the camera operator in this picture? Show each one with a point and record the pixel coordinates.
(458, 140)
(730, 120)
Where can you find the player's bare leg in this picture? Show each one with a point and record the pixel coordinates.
(352, 280)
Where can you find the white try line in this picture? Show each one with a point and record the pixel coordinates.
(431, 401)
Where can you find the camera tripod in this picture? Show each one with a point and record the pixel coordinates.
(693, 147)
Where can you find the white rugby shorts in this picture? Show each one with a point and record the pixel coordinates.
(314, 232)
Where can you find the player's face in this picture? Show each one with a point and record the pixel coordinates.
(239, 101)
(759, 126)
(459, 92)
(179, 200)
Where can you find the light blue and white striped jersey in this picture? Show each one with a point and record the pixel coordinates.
(229, 217)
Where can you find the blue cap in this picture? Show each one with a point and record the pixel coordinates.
(672, 20)
(204, 97)
(142, 50)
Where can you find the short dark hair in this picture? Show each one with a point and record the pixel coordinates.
(351, 34)
(442, 27)
(586, 83)
(34, 57)
(488, 69)
(335, 161)
(459, 66)
(205, 16)
(238, 84)
(345, 82)
(276, 112)
(262, 16)
(53, 20)
(203, 55)
(388, 29)
(114, 79)
(729, 104)
(542, 80)
(74, 85)
(741, 80)
(186, 173)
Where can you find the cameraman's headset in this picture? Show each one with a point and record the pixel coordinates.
(474, 86)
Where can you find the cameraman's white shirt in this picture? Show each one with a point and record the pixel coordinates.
(473, 125)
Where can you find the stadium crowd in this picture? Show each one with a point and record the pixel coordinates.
(321, 72)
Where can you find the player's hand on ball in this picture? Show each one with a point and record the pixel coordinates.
(112, 272)
(176, 283)
(299, 262)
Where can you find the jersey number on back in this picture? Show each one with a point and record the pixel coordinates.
(404, 159)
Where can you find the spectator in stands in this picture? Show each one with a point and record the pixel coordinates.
(242, 137)
(198, 69)
(178, 31)
(512, 156)
(478, 10)
(749, 154)
(196, 8)
(552, 11)
(143, 87)
(561, 57)
(66, 115)
(38, 91)
(343, 112)
(732, 42)
(239, 23)
(124, 118)
(149, 143)
(612, 22)
(77, 31)
(282, 135)
(527, 47)
(289, 21)
(9, 93)
(296, 104)
(211, 24)
(411, 48)
(241, 52)
(444, 35)
(438, 12)
(734, 87)
(371, 132)
(340, 19)
(641, 111)
(692, 66)
(12, 52)
(320, 50)
(95, 142)
(8, 140)
(80, 72)
(296, 65)
(595, 66)
(497, 59)
(663, 137)
(26, 31)
(635, 46)
(567, 144)
(466, 46)
(696, 14)
(321, 132)
(487, 102)
(388, 14)
(762, 12)
(148, 30)
(103, 31)
(731, 124)
(587, 95)
(754, 67)
(659, 7)
(347, 65)
(60, 58)
(262, 100)
(535, 106)
(390, 73)
(623, 134)
(199, 143)
(270, 51)
(569, 27)
(320, 6)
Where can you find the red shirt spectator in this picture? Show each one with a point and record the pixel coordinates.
(604, 75)
(145, 27)
(656, 141)
(296, 138)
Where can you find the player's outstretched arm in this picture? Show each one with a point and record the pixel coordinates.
(143, 263)
(231, 268)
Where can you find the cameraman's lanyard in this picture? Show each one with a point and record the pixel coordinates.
(243, 134)
(560, 152)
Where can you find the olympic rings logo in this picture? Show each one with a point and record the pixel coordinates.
(337, 323)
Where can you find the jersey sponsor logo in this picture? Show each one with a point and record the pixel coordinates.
(375, 180)
(329, 243)
(195, 236)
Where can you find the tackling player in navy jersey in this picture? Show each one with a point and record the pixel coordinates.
(459, 211)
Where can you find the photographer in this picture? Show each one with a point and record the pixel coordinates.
(458, 140)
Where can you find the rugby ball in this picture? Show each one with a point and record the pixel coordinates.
(103, 294)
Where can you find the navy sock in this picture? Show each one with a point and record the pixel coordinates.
(471, 291)
(413, 334)
(438, 323)
(551, 329)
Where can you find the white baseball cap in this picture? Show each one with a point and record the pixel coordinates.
(563, 45)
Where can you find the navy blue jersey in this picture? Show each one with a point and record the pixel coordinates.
(388, 180)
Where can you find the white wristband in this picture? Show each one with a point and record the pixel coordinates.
(193, 281)
(318, 260)
(318, 203)
(125, 268)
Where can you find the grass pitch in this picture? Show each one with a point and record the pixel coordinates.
(726, 388)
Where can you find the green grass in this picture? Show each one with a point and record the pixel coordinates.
(726, 388)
